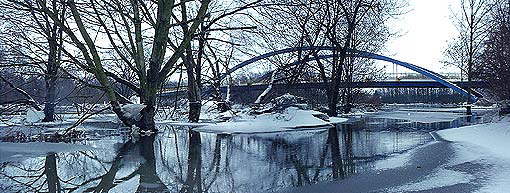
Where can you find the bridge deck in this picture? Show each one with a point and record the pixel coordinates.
(382, 84)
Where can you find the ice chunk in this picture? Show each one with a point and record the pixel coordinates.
(34, 116)
(133, 111)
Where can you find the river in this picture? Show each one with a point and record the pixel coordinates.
(179, 159)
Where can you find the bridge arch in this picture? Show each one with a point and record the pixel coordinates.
(356, 53)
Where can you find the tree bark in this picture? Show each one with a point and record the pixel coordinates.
(49, 104)
(51, 75)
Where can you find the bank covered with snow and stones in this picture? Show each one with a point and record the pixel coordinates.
(284, 113)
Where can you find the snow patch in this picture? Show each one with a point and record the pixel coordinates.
(134, 99)
(334, 120)
(132, 111)
(34, 116)
(290, 119)
(492, 136)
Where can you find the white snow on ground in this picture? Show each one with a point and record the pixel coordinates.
(290, 119)
(333, 120)
(493, 136)
(423, 117)
(20, 151)
(499, 175)
(500, 178)
(486, 143)
(439, 178)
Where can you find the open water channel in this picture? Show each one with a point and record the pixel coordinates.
(179, 159)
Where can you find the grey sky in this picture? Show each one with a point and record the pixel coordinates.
(425, 31)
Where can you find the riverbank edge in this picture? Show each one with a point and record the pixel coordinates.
(424, 161)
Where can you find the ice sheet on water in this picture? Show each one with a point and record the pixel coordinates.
(17, 151)
(440, 178)
(422, 117)
(394, 161)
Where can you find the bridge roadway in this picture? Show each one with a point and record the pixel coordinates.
(381, 84)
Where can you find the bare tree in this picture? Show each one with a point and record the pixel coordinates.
(123, 25)
(206, 52)
(495, 57)
(472, 22)
(341, 24)
(35, 37)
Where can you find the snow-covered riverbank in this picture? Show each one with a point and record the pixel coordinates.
(484, 144)
(480, 161)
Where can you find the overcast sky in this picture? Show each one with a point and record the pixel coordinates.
(425, 30)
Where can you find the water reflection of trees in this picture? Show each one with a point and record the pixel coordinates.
(336, 156)
(181, 160)
(86, 171)
(40, 178)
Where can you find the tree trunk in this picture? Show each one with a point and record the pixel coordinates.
(338, 66)
(49, 106)
(51, 80)
(193, 71)
(334, 88)
(147, 118)
(332, 99)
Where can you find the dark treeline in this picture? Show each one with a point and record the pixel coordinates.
(69, 91)
(317, 97)
(418, 95)
(495, 58)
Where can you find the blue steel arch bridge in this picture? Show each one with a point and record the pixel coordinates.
(439, 81)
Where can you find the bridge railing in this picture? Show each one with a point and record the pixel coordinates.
(418, 76)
